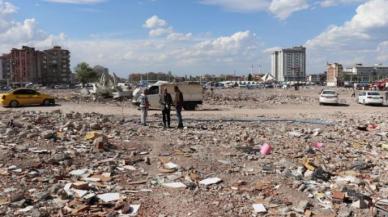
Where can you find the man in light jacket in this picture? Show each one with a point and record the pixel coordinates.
(144, 106)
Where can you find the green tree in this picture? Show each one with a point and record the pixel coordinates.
(85, 73)
(250, 77)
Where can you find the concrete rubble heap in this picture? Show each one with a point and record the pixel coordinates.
(57, 164)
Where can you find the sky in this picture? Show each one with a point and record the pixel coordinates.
(199, 36)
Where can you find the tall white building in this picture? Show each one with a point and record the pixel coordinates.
(289, 64)
(1, 69)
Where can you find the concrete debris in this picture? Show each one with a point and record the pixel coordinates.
(79, 173)
(171, 165)
(174, 185)
(210, 181)
(301, 206)
(109, 197)
(259, 208)
(360, 204)
(329, 162)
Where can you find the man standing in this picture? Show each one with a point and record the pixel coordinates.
(178, 106)
(166, 102)
(144, 105)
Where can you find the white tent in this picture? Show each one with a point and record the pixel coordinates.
(268, 77)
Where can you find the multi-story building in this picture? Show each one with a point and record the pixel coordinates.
(54, 65)
(1, 69)
(335, 75)
(5, 68)
(366, 74)
(289, 64)
(27, 65)
(314, 78)
(24, 66)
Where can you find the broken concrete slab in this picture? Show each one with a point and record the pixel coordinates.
(174, 185)
(109, 197)
(210, 181)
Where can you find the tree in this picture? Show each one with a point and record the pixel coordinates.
(85, 73)
(100, 70)
(250, 77)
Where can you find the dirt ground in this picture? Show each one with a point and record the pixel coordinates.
(234, 109)
(220, 140)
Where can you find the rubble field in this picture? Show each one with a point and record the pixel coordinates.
(252, 98)
(238, 162)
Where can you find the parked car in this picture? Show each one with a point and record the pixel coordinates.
(328, 97)
(24, 96)
(348, 84)
(361, 86)
(370, 98)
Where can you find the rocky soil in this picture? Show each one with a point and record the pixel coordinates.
(89, 164)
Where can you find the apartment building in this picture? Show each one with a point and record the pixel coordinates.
(55, 66)
(24, 66)
(289, 64)
(27, 65)
(335, 75)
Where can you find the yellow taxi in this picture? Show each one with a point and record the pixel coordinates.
(22, 97)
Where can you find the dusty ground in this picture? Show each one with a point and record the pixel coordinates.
(221, 140)
(268, 103)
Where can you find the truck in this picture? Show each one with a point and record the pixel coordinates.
(192, 94)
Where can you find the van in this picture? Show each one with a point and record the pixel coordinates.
(192, 94)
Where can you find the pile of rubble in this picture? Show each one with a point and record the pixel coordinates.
(246, 98)
(55, 164)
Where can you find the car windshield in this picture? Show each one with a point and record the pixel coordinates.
(374, 94)
(329, 92)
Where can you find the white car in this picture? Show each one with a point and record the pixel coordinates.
(328, 97)
(370, 98)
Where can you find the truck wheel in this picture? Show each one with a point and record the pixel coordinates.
(14, 104)
(189, 106)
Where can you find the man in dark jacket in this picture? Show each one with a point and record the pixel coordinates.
(178, 105)
(166, 102)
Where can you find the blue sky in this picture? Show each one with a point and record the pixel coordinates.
(199, 36)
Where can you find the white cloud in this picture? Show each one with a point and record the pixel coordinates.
(15, 33)
(357, 40)
(76, 1)
(370, 20)
(192, 55)
(280, 8)
(331, 3)
(160, 32)
(154, 22)
(160, 28)
(238, 5)
(284, 8)
(175, 36)
(382, 52)
(164, 50)
(271, 50)
(6, 8)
